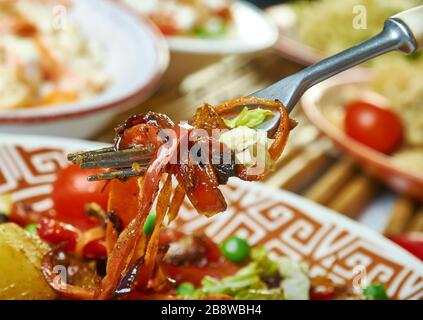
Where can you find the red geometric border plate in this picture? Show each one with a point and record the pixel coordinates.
(284, 223)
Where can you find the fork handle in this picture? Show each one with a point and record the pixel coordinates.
(413, 19)
(397, 34)
(403, 32)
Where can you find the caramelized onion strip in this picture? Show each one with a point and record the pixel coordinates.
(54, 279)
(163, 202)
(176, 203)
(126, 244)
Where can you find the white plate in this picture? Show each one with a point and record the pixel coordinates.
(252, 32)
(136, 56)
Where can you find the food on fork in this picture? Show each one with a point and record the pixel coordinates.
(45, 58)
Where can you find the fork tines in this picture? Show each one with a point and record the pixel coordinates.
(118, 174)
(124, 163)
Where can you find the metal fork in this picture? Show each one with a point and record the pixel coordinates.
(402, 32)
(123, 163)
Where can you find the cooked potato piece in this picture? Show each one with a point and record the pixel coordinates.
(20, 265)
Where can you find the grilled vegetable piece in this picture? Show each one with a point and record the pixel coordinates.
(20, 265)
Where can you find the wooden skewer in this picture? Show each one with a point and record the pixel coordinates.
(331, 182)
(354, 196)
(400, 216)
(416, 223)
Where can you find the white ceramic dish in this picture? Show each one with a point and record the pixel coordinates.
(329, 97)
(284, 223)
(136, 56)
(252, 32)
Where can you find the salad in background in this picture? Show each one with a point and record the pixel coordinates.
(326, 25)
(42, 64)
(199, 18)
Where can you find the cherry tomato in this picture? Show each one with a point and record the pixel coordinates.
(72, 192)
(322, 288)
(376, 127)
(95, 249)
(168, 30)
(166, 24)
(55, 232)
(23, 214)
(320, 294)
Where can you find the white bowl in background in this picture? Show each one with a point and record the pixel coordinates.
(251, 32)
(136, 56)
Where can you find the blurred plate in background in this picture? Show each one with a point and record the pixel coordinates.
(136, 56)
(252, 32)
(324, 106)
(249, 32)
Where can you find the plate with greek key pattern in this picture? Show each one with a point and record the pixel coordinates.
(285, 223)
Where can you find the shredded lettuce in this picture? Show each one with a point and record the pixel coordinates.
(266, 266)
(248, 283)
(296, 282)
(246, 278)
(218, 28)
(260, 294)
(250, 146)
(248, 118)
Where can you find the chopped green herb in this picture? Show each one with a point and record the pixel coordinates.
(149, 223)
(215, 30)
(31, 228)
(185, 289)
(376, 291)
(260, 294)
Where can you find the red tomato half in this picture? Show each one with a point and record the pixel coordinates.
(72, 191)
(378, 128)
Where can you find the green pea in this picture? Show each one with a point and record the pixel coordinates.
(185, 289)
(235, 249)
(32, 228)
(149, 223)
(376, 291)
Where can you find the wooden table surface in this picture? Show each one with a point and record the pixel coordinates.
(310, 166)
